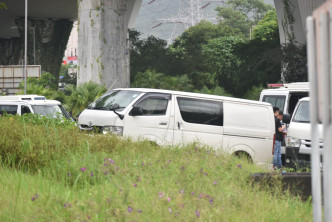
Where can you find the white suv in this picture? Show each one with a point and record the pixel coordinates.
(32, 104)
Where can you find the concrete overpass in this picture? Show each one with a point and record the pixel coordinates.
(103, 37)
(103, 49)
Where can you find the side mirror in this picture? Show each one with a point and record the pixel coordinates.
(114, 107)
(286, 118)
(136, 111)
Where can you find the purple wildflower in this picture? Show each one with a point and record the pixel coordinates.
(211, 201)
(170, 210)
(161, 194)
(111, 161)
(239, 166)
(135, 185)
(169, 161)
(130, 209)
(105, 172)
(215, 182)
(201, 169)
(33, 198)
(197, 213)
(69, 161)
(67, 205)
(143, 163)
(169, 199)
(139, 211)
(91, 173)
(205, 174)
(83, 169)
(192, 193)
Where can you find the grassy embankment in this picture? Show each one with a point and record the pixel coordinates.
(52, 172)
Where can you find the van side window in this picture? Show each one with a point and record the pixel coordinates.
(25, 109)
(201, 111)
(277, 101)
(153, 106)
(9, 109)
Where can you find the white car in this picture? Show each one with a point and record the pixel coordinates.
(167, 117)
(32, 104)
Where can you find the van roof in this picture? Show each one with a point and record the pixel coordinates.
(305, 99)
(23, 97)
(32, 102)
(200, 95)
(291, 87)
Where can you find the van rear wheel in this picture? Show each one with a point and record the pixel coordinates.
(243, 155)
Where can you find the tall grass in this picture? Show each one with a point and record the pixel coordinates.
(54, 173)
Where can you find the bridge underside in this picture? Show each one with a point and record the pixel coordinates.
(49, 26)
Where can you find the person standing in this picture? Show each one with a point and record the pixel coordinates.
(279, 136)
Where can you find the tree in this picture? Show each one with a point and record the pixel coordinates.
(242, 15)
(81, 96)
(186, 50)
(267, 28)
(294, 62)
(220, 58)
(149, 53)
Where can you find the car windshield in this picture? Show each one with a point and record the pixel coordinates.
(123, 98)
(52, 111)
(302, 113)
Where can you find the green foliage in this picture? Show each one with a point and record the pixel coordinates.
(149, 53)
(267, 28)
(66, 175)
(219, 54)
(148, 79)
(187, 49)
(81, 96)
(254, 93)
(294, 62)
(3, 5)
(46, 80)
(242, 14)
(215, 91)
(66, 78)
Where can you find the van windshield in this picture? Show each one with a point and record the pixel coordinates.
(302, 114)
(52, 111)
(121, 97)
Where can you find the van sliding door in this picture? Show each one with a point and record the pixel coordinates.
(198, 120)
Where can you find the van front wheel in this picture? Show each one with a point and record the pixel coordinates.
(243, 155)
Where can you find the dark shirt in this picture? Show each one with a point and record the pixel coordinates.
(279, 135)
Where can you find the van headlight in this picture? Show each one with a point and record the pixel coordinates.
(293, 142)
(117, 130)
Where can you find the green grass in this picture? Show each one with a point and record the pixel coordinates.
(65, 175)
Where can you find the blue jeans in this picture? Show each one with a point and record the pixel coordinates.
(277, 154)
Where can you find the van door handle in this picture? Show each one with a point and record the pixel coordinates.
(163, 123)
(179, 125)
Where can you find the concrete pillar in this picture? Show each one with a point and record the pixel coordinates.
(291, 18)
(103, 48)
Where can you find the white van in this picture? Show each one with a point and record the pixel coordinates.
(237, 126)
(31, 104)
(286, 96)
(298, 140)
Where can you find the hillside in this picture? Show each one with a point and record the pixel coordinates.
(150, 13)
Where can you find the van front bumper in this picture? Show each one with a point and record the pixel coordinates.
(299, 157)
